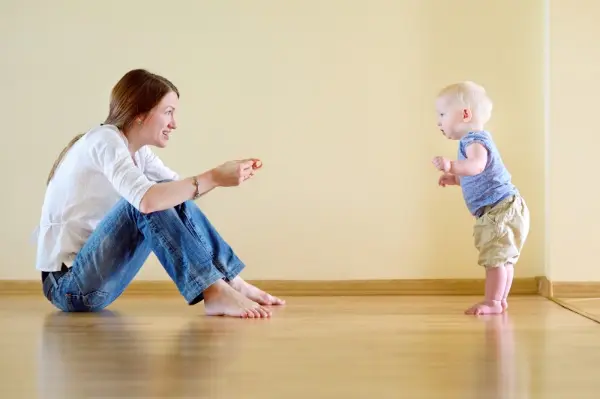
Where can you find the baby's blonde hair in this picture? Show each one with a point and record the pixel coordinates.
(470, 95)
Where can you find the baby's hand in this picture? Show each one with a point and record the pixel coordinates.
(447, 179)
(442, 164)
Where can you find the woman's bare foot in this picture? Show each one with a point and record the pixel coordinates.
(254, 293)
(485, 307)
(222, 299)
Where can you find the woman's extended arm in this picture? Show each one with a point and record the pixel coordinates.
(107, 152)
(162, 196)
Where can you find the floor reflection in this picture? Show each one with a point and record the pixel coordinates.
(111, 355)
(499, 376)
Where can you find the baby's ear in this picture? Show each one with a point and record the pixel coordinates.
(467, 115)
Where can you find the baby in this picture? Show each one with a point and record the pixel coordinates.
(502, 217)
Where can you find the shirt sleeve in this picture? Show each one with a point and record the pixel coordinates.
(475, 137)
(109, 153)
(154, 167)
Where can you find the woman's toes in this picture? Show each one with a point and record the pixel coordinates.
(265, 313)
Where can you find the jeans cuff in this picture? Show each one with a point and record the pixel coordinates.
(230, 271)
(193, 292)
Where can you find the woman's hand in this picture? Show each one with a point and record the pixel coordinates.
(165, 195)
(233, 173)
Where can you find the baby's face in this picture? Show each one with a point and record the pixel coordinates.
(449, 117)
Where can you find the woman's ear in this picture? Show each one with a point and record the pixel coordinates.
(139, 119)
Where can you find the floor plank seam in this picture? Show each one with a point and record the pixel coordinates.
(574, 309)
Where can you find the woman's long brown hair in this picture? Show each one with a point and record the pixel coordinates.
(136, 93)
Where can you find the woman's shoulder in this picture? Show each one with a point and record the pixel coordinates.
(104, 135)
(104, 131)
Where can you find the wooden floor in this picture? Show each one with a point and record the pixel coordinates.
(589, 308)
(314, 347)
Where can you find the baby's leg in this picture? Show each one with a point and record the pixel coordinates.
(510, 273)
(495, 285)
(499, 236)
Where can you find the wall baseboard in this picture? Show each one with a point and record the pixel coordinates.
(544, 286)
(408, 287)
(521, 286)
(572, 290)
(389, 287)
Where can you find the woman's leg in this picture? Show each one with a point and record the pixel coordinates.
(103, 268)
(119, 246)
(223, 256)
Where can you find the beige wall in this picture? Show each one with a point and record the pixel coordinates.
(336, 97)
(573, 141)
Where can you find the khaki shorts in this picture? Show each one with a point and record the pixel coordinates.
(501, 231)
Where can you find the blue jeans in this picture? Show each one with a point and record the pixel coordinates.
(184, 241)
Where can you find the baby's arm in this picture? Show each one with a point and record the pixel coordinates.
(473, 165)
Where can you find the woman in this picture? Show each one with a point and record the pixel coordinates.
(110, 201)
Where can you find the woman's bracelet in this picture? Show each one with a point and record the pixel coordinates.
(197, 194)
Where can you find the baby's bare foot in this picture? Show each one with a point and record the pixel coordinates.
(485, 307)
(254, 293)
(222, 299)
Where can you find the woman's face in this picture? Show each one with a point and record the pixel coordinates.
(160, 122)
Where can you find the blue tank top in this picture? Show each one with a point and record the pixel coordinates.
(490, 186)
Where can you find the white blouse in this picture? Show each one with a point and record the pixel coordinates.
(94, 175)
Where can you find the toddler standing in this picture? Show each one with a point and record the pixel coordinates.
(502, 217)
